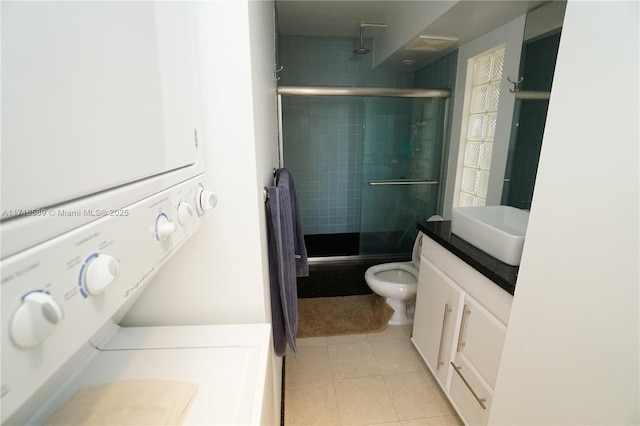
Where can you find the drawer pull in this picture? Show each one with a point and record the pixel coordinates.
(447, 311)
(481, 401)
(465, 313)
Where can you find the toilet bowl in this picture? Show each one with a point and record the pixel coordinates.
(398, 282)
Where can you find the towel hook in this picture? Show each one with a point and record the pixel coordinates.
(265, 191)
(516, 84)
(275, 74)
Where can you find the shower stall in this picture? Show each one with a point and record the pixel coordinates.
(368, 164)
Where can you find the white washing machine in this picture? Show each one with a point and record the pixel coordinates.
(60, 299)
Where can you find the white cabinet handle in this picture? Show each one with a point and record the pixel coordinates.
(465, 313)
(481, 401)
(447, 311)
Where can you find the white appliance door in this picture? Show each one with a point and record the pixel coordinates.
(94, 95)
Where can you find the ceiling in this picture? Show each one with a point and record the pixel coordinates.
(406, 20)
(331, 18)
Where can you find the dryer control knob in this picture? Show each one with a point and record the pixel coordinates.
(164, 227)
(35, 319)
(185, 213)
(206, 200)
(99, 271)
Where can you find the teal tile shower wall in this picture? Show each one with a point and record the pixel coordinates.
(323, 136)
(441, 74)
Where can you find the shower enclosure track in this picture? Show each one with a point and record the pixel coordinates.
(362, 91)
(366, 92)
(392, 92)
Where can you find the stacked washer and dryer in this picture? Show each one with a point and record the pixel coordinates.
(103, 179)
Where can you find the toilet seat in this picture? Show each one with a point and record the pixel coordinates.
(400, 273)
(397, 280)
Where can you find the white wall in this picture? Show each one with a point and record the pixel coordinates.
(262, 43)
(265, 115)
(572, 349)
(220, 276)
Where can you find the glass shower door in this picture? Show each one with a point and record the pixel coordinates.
(322, 144)
(401, 171)
(366, 170)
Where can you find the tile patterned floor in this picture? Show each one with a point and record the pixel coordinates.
(363, 379)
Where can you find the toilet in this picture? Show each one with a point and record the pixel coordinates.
(398, 283)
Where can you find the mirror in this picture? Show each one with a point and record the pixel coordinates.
(533, 86)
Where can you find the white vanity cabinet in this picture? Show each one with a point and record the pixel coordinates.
(437, 321)
(459, 328)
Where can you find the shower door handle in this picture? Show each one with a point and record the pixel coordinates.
(403, 182)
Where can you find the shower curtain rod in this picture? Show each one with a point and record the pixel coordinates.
(362, 91)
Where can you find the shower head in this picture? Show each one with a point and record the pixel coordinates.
(361, 50)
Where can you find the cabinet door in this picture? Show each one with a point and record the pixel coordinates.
(435, 320)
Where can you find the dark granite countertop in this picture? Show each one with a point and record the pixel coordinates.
(500, 273)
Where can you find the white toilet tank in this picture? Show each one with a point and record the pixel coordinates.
(417, 245)
(417, 250)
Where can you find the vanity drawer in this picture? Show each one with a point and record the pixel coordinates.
(481, 339)
(470, 395)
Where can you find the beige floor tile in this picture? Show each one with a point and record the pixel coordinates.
(434, 421)
(311, 341)
(310, 365)
(364, 401)
(352, 360)
(392, 332)
(396, 356)
(312, 403)
(415, 396)
(374, 380)
(348, 338)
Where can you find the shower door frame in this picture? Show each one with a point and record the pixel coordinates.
(331, 91)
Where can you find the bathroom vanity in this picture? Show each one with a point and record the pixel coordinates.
(462, 312)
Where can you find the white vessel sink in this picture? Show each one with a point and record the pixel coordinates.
(497, 230)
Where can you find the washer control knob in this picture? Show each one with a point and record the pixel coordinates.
(35, 320)
(185, 213)
(206, 200)
(99, 271)
(164, 227)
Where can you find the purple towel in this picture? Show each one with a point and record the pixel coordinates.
(287, 260)
(284, 179)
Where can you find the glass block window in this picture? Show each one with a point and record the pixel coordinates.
(485, 94)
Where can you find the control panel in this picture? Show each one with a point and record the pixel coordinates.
(57, 295)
